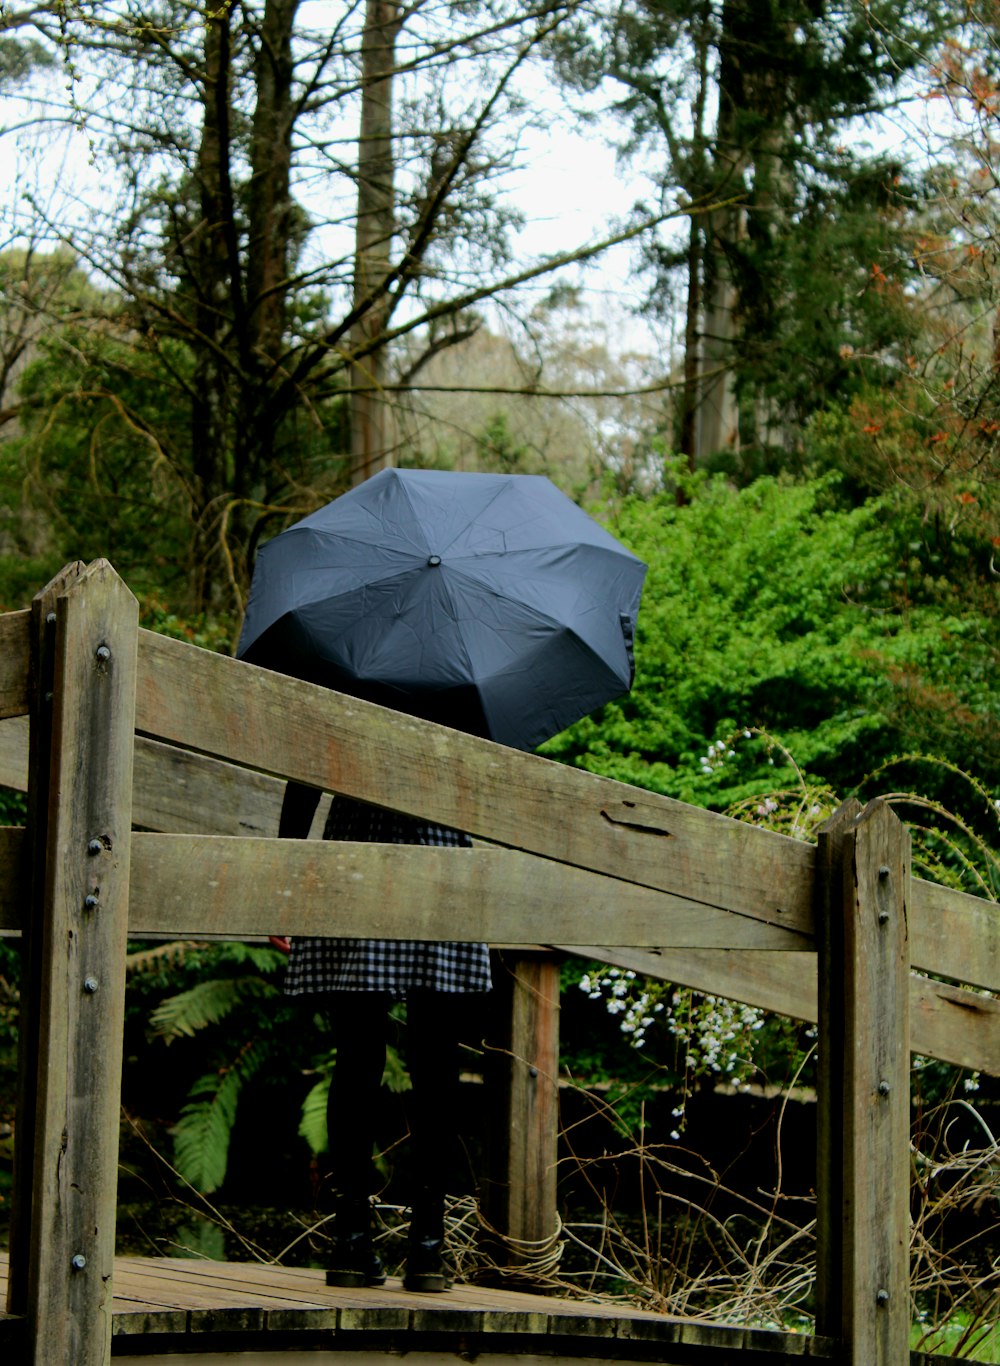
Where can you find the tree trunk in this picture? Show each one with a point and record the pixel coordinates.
(371, 444)
(212, 286)
(692, 320)
(269, 206)
(717, 426)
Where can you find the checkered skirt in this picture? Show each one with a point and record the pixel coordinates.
(320, 966)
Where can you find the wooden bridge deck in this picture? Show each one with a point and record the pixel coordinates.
(193, 1312)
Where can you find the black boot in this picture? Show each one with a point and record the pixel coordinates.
(354, 1262)
(425, 1266)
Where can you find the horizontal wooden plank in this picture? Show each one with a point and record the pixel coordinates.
(14, 654)
(955, 935)
(951, 933)
(326, 883)
(173, 789)
(946, 1022)
(786, 984)
(217, 887)
(955, 1025)
(185, 885)
(471, 1320)
(14, 753)
(282, 726)
(267, 722)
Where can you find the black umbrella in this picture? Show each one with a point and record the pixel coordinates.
(488, 602)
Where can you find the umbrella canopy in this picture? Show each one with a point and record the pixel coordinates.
(491, 603)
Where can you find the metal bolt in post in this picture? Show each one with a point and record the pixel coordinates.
(94, 846)
(91, 902)
(884, 1088)
(90, 985)
(78, 1261)
(882, 1297)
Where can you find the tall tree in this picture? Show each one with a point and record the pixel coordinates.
(743, 108)
(376, 223)
(281, 204)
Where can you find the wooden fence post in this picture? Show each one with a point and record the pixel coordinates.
(863, 1163)
(43, 622)
(520, 1196)
(79, 916)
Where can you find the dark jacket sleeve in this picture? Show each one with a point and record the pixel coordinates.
(297, 811)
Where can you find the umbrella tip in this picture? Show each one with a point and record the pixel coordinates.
(434, 561)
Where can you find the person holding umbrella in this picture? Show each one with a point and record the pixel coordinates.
(492, 604)
(361, 979)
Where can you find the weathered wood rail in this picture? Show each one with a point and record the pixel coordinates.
(154, 771)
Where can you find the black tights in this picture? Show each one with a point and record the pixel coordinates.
(361, 1031)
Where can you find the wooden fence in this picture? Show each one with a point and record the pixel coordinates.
(109, 727)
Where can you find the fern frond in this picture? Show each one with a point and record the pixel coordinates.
(201, 1135)
(312, 1125)
(157, 956)
(206, 1003)
(395, 1077)
(260, 956)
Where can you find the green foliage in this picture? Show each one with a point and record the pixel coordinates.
(242, 1024)
(215, 632)
(93, 469)
(13, 807)
(776, 609)
(101, 463)
(205, 1004)
(781, 610)
(201, 1135)
(498, 450)
(797, 260)
(955, 842)
(964, 1333)
(313, 1125)
(831, 288)
(227, 1026)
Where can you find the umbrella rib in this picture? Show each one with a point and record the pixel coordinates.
(535, 612)
(547, 617)
(344, 539)
(457, 618)
(417, 521)
(499, 491)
